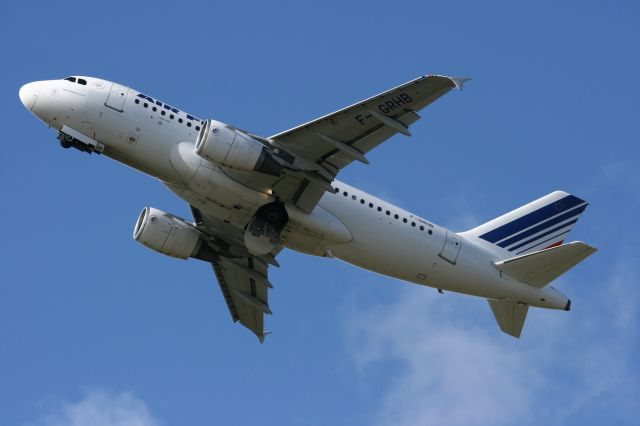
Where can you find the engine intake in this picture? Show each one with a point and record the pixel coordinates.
(219, 143)
(166, 234)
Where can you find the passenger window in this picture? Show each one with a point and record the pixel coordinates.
(137, 101)
(197, 127)
(180, 120)
(371, 205)
(146, 105)
(361, 201)
(429, 232)
(396, 216)
(162, 112)
(421, 228)
(345, 193)
(154, 109)
(413, 224)
(337, 190)
(353, 197)
(189, 124)
(388, 212)
(82, 81)
(379, 209)
(404, 219)
(171, 116)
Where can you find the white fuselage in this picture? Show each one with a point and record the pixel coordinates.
(349, 224)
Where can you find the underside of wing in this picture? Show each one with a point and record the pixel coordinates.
(316, 151)
(245, 288)
(337, 139)
(243, 278)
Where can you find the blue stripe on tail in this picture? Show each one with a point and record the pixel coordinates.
(543, 226)
(509, 229)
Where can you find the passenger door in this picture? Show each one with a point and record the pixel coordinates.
(116, 97)
(451, 247)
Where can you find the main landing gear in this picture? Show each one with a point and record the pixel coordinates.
(263, 232)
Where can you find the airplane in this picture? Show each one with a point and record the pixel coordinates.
(251, 196)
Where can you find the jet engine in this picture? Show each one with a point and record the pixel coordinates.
(227, 146)
(167, 234)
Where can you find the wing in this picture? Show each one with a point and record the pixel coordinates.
(326, 145)
(243, 278)
(245, 288)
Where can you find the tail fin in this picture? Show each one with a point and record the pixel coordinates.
(541, 224)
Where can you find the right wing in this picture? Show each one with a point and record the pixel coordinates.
(245, 288)
(243, 278)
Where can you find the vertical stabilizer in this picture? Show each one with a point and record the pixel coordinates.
(541, 224)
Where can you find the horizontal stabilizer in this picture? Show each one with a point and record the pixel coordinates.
(541, 267)
(509, 315)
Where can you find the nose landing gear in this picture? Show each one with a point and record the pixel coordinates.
(71, 138)
(68, 141)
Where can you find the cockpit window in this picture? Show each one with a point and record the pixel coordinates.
(77, 80)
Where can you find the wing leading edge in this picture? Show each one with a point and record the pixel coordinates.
(334, 141)
(317, 150)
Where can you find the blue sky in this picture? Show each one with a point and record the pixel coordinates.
(96, 329)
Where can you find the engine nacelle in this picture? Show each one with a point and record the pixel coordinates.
(166, 234)
(218, 143)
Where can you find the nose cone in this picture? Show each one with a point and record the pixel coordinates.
(28, 95)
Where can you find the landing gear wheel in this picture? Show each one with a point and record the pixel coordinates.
(275, 214)
(66, 141)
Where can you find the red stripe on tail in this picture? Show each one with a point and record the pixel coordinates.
(554, 245)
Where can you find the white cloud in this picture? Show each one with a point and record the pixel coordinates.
(99, 408)
(449, 365)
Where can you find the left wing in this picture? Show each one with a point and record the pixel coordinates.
(337, 139)
(316, 151)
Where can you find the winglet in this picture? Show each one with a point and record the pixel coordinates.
(263, 335)
(459, 81)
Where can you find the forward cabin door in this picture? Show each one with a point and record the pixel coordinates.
(116, 97)
(451, 247)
